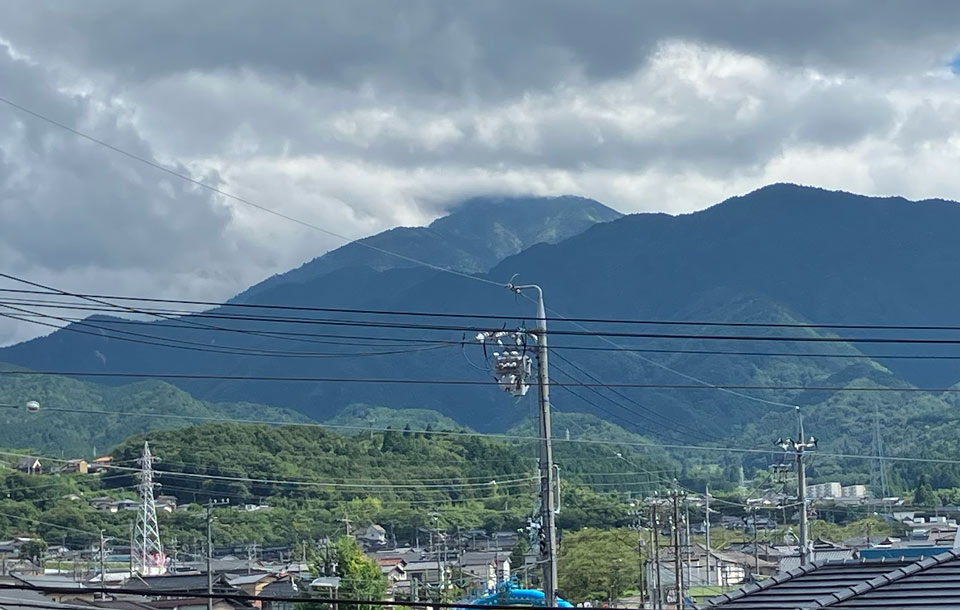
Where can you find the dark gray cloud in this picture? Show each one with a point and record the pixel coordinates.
(363, 115)
(475, 49)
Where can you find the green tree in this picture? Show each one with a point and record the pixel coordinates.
(361, 577)
(923, 495)
(34, 549)
(598, 564)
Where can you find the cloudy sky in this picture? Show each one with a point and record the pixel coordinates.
(359, 116)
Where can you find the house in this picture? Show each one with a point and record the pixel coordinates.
(13, 546)
(179, 585)
(820, 551)
(487, 568)
(167, 503)
(253, 584)
(79, 465)
(66, 587)
(104, 503)
(374, 537)
(283, 588)
(425, 572)
(30, 465)
(905, 584)
(99, 465)
(393, 569)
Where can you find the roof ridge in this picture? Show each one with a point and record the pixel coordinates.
(885, 579)
(774, 580)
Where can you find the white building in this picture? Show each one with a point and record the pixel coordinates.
(853, 491)
(824, 491)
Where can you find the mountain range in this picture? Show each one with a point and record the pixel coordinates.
(784, 254)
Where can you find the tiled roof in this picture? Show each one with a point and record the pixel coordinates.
(931, 583)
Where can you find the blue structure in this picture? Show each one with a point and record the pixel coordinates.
(506, 595)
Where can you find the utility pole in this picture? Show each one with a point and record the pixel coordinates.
(799, 446)
(210, 506)
(655, 535)
(707, 524)
(103, 573)
(756, 549)
(689, 543)
(548, 503)
(677, 558)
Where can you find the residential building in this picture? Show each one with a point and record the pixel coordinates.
(824, 491)
(821, 550)
(283, 588)
(853, 491)
(393, 569)
(485, 568)
(253, 584)
(426, 572)
(30, 465)
(905, 584)
(374, 537)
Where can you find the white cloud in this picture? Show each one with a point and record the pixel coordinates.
(388, 119)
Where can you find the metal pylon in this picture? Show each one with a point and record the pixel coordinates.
(148, 557)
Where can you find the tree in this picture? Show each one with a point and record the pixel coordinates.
(361, 576)
(34, 549)
(598, 564)
(923, 495)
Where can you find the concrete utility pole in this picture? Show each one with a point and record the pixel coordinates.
(756, 549)
(677, 558)
(706, 496)
(799, 446)
(210, 506)
(103, 573)
(548, 530)
(655, 535)
(688, 546)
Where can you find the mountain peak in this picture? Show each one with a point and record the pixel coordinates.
(476, 235)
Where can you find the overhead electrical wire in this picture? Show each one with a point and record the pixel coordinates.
(237, 198)
(475, 382)
(555, 318)
(669, 423)
(201, 347)
(316, 338)
(582, 332)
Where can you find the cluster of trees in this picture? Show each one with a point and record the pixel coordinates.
(397, 478)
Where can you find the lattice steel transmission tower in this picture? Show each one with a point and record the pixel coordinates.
(147, 552)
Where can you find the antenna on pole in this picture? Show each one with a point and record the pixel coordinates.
(148, 557)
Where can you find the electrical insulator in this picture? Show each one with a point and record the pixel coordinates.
(512, 366)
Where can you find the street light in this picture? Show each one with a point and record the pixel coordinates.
(31, 405)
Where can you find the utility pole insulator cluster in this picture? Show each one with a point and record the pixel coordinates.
(512, 366)
(799, 447)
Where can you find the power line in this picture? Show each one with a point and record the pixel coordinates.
(671, 424)
(237, 198)
(474, 382)
(556, 318)
(201, 347)
(433, 342)
(575, 333)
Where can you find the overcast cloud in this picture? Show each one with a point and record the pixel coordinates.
(361, 116)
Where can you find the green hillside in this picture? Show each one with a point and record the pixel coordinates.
(362, 416)
(83, 432)
(312, 479)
